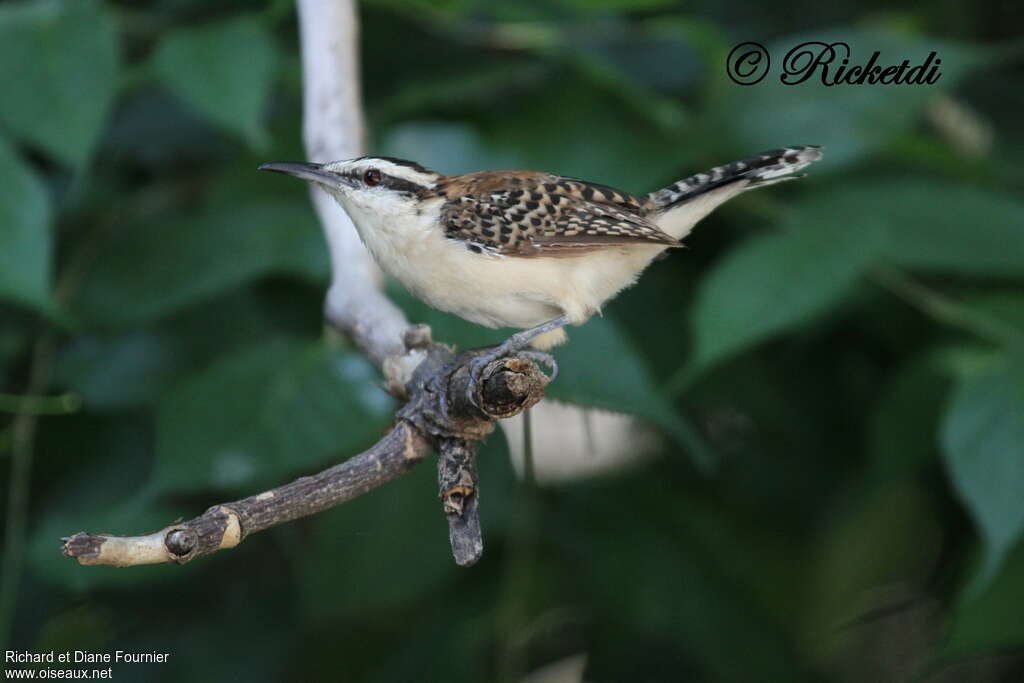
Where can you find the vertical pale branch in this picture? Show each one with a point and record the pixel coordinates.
(333, 129)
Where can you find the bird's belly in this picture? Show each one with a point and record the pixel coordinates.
(501, 295)
(511, 291)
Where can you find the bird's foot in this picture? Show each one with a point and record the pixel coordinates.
(542, 357)
(517, 344)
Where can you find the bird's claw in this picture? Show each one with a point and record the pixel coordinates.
(476, 373)
(544, 358)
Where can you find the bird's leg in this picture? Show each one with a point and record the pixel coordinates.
(515, 344)
(520, 340)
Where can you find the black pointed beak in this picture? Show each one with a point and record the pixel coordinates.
(312, 172)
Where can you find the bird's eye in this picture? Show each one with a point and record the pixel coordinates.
(372, 177)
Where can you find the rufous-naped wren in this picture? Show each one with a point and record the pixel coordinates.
(535, 251)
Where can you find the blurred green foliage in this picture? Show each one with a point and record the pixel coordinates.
(835, 365)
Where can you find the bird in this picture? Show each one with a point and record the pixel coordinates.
(525, 249)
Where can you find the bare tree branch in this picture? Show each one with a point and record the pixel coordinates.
(458, 484)
(227, 524)
(446, 409)
(333, 129)
(434, 415)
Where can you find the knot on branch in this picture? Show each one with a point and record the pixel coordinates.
(446, 401)
(181, 543)
(508, 387)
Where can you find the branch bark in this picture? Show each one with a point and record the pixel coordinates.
(445, 410)
(227, 524)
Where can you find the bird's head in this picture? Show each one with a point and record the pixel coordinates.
(367, 187)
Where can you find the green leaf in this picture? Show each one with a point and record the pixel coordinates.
(966, 360)
(264, 413)
(991, 622)
(451, 147)
(852, 121)
(120, 372)
(910, 407)
(163, 266)
(129, 369)
(971, 231)
(1003, 305)
(473, 86)
(882, 535)
(25, 242)
(533, 136)
(58, 66)
(371, 542)
(983, 446)
(13, 343)
(224, 70)
(620, 5)
(772, 282)
(692, 592)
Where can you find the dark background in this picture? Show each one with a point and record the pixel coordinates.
(847, 349)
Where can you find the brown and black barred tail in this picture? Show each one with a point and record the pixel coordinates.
(762, 169)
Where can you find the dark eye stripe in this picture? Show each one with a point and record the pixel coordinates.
(400, 184)
(390, 182)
